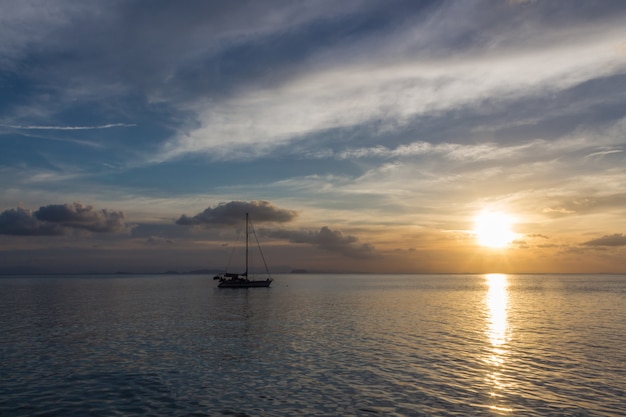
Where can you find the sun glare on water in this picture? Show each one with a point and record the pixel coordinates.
(493, 229)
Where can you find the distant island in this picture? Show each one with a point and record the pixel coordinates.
(39, 271)
(27, 270)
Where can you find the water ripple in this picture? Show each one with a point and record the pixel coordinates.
(320, 346)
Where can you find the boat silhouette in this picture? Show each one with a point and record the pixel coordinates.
(237, 280)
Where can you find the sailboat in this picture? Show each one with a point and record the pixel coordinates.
(230, 280)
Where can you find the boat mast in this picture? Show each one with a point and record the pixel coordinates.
(247, 234)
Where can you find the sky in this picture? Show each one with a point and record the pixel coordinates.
(361, 136)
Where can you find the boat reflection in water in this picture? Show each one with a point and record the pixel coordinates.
(498, 333)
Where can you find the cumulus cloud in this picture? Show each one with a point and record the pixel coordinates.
(616, 239)
(79, 216)
(22, 222)
(61, 219)
(233, 212)
(326, 239)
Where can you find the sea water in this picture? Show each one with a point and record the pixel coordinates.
(318, 345)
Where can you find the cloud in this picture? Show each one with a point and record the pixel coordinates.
(35, 127)
(616, 239)
(158, 241)
(451, 151)
(96, 55)
(521, 244)
(22, 222)
(79, 216)
(60, 219)
(233, 213)
(267, 76)
(587, 204)
(603, 153)
(399, 77)
(326, 239)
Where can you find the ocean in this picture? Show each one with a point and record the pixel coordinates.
(314, 345)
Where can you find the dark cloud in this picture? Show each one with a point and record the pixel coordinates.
(60, 219)
(233, 213)
(326, 239)
(79, 216)
(22, 222)
(616, 239)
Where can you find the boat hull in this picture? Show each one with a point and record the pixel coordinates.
(232, 280)
(242, 283)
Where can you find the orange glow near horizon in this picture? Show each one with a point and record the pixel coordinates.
(494, 229)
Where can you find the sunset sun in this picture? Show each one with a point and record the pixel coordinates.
(494, 230)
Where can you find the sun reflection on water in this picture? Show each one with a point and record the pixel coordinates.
(497, 300)
(497, 331)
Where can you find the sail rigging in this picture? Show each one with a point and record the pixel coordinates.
(235, 280)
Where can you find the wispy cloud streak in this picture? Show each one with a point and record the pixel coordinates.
(393, 90)
(36, 127)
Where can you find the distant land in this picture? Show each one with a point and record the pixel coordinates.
(39, 271)
(29, 270)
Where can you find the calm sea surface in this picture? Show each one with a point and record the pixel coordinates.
(331, 345)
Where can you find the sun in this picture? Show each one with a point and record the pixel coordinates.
(494, 229)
